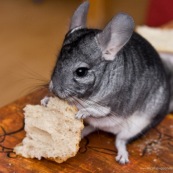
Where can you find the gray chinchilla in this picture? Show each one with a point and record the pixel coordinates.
(115, 78)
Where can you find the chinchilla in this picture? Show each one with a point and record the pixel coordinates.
(114, 77)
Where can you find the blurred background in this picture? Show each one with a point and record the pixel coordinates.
(32, 31)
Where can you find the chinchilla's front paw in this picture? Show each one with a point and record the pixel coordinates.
(82, 114)
(44, 101)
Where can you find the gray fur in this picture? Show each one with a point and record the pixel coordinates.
(115, 35)
(80, 16)
(125, 93)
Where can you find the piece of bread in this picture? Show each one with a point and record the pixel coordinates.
(52, 132)
(160, 38)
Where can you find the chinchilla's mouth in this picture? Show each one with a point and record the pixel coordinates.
(59, 94)
(72, 101)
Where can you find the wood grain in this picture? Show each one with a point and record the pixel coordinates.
(151, 153)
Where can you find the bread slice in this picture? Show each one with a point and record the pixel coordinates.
(52, 132)
(160, 38)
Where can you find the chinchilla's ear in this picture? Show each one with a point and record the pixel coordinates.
(80, 16)
(115, 35)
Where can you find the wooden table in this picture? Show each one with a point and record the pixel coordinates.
(151, 153)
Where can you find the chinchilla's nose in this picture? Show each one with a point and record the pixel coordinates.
(51, 86)
(57, 89)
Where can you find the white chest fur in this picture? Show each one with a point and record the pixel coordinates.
(113, 124)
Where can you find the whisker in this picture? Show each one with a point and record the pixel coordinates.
(77, 101)
(92, 103)
(32, 72)
(31, 89)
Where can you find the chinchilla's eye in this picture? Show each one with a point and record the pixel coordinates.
(82, 72)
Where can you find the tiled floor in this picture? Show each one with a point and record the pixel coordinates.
(31, 34)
